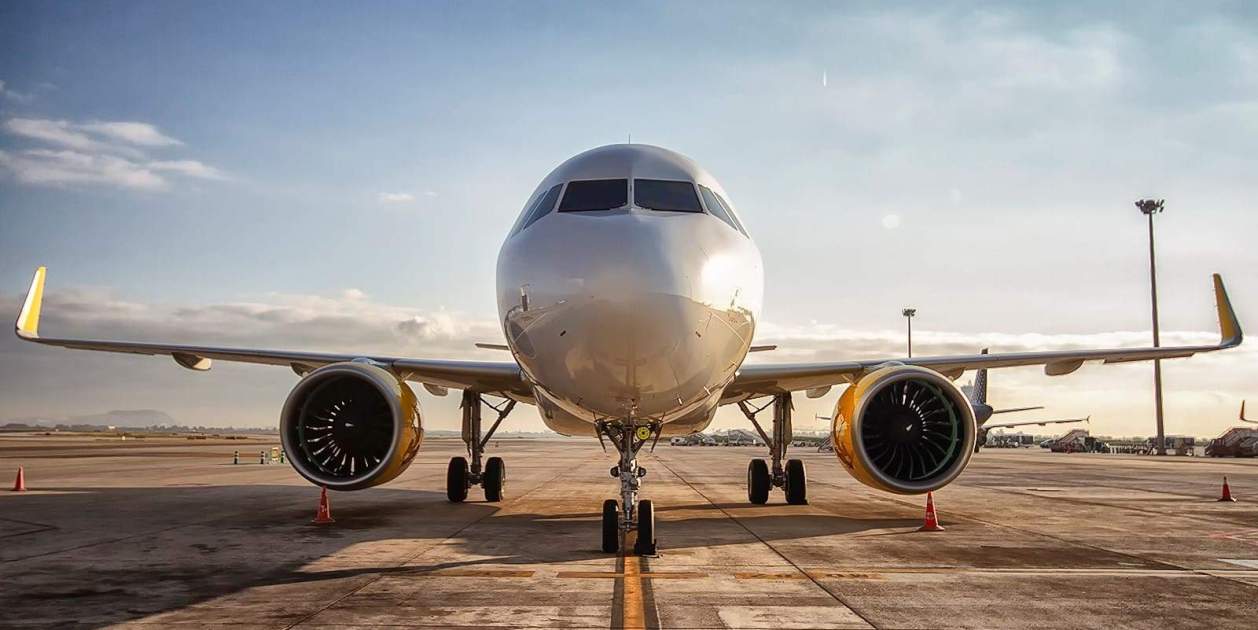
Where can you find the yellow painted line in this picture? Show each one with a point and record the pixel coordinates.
(653, 575)
(850, 575)
(672, 575)
(882, 573)
(589, 574)
(770, 576)
(634, 606)
(483, 573)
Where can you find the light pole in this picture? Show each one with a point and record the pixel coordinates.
(1149, 207)
(908, 317)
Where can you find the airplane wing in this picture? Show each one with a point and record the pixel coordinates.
(1242, 416)
(482, 376)
(1016, 409)
(766, 379)
(1024, 423)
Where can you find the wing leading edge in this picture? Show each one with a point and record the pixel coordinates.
(482, 376)
(764, 379)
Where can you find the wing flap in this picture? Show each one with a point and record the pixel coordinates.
(1041, 423)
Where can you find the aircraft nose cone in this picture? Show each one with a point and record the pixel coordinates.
(621, 331)
(644, 354)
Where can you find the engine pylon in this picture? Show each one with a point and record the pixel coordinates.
(323, 515)
(932, 519)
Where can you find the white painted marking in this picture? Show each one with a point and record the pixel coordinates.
(1252, 564)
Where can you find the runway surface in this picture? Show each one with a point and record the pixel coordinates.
(168, 532)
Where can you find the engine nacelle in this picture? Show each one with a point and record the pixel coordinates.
(904, 429)
(350, 426)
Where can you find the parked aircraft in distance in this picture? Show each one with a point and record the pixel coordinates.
(628, 292)
(1242, 415)
(983, 411)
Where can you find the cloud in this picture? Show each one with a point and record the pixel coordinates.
(347, 321)
(190, 168)
(58, 132)
(16, 97)
(137, 133)
(97, 153)
(94, 135)
(891, 221)
(395, 197)
(827, 342)
(66, 167)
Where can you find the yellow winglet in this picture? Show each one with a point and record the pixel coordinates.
(27, 326)
(1229, 327)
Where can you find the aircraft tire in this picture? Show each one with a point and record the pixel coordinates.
(758, 482)
(611, 526)
(646, 529)
(796, 482)
(494, 479)
(456, 480)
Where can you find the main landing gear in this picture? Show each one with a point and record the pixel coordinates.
(792, 478)
(631, 514)
(460, 476)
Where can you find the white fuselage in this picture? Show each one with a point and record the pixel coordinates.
(628, 312)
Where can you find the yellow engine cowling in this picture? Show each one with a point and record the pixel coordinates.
(904, 429)
(350, 426)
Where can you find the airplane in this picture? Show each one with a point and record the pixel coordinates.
(1242, 415)
(985, 429)
(982, 411)
(628, 292)
(977, 393)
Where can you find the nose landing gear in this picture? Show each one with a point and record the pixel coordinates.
(460, 475)
(632, 514)
(793, 478)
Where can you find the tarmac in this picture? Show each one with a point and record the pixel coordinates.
(170, 533)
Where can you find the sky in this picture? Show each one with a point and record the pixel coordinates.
(328, 176)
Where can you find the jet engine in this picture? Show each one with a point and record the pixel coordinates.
(349, 426)
(904, 429)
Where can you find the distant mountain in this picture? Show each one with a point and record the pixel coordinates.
(35, 421)
(132, 418)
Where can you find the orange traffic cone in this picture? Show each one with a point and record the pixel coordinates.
(324, 513)
(1227, 492)
(932, 519)
(19, 485)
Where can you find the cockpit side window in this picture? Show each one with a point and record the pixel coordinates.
(542, 207)
(719, 210)
(669, 196)
(595, 194)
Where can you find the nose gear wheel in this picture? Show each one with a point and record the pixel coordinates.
(631, 515)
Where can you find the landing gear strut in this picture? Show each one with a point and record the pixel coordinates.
(492, 476)
(791, 478)
(631, 514)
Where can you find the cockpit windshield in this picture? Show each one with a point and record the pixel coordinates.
(719, 210)
(543, 205)
(595, 194)
(670, 196)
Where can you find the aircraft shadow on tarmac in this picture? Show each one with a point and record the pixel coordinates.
(99, 556)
